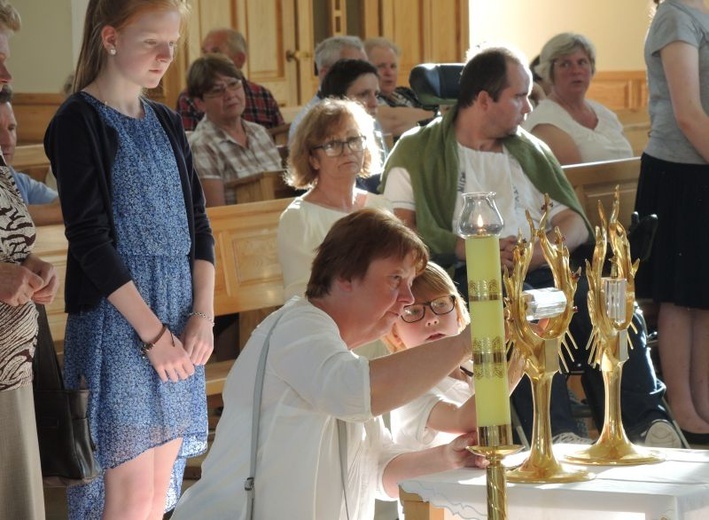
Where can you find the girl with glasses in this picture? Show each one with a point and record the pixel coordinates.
(448, 409)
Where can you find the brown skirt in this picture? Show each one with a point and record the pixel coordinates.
(21, 493)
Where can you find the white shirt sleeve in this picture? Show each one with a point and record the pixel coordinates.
(398, 189)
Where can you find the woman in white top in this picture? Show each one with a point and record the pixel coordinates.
(576, 129)
(321, 402)
(333, 145)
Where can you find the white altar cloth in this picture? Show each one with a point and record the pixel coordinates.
(675, 489)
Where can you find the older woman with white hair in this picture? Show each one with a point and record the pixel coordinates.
(575, 128)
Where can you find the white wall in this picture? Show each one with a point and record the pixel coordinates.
(42, 53)
(616, 27)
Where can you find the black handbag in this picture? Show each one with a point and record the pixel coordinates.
(65, 447)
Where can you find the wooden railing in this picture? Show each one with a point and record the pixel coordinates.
(32, 160)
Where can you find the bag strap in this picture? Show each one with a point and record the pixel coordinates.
(342, 437)
(45, 365)
(250, 482)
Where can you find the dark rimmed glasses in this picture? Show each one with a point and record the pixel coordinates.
(440, 306)
(218, 90)
(335, 148)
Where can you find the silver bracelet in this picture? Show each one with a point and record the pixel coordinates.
(202, 315)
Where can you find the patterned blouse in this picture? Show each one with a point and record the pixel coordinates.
(18, 325)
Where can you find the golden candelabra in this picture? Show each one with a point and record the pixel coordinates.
(610, 306)
(480, 223)
(541, 349)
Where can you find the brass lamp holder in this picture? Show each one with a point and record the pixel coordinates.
(610, 306)
(541, 349)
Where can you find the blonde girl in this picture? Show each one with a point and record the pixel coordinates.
(448, 409)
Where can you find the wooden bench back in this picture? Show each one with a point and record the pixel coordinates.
(265, 185)
(33, 112)
(31, 159)
(594, 182)
(51, 246)
(248, 275)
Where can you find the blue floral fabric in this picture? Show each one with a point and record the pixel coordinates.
(130, 409)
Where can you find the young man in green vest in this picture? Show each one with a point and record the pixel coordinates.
(479, 146)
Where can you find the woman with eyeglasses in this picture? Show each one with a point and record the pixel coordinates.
(448, 409)
(225, 147)
(332, 147)
(140, 270)
(577, 129)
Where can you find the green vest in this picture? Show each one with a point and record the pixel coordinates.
(430, 155)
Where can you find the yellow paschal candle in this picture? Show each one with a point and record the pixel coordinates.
(487, 329)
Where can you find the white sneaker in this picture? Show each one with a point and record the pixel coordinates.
(661, 434)
(570, 438)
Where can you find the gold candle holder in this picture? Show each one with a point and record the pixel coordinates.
(541, 350)
(610, 306)
(480, 223)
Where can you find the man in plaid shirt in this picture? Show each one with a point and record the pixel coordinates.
(261, 106)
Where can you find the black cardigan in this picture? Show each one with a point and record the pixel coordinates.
(82, 149)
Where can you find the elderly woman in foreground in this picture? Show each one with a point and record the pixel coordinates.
(575, 128)
(321, 401)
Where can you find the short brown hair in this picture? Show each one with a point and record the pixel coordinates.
(487, 72)
(355, 241)
(202, 74)
(319, 123)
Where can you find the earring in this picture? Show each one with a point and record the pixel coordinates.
(112, 51)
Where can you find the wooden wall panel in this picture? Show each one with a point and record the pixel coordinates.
(426, 31)
(402, 22)
(33, 113)
(619, 90)
(447, 32)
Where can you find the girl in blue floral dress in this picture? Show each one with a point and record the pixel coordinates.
(140, 271)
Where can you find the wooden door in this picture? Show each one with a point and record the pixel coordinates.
(426, 30)
(270, 28)
(281, 37)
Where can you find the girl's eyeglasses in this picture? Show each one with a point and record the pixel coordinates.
(440, 306)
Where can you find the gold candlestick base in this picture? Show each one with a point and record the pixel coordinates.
(495, 471)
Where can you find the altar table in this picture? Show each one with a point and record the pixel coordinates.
(675, 489)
